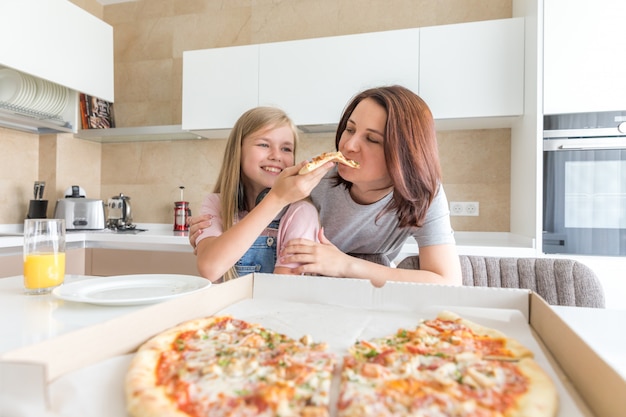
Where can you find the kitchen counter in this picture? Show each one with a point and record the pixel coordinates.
(153, 237)
(161, 237)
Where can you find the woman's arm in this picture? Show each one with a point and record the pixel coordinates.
(439, 264)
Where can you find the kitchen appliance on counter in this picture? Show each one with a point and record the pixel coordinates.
(119, 214)
(79, 212)
(584, 184)
(38, 207)
(181, 213)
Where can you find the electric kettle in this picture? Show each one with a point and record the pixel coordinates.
(119, 212)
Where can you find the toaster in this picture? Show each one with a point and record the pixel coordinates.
(80, 213)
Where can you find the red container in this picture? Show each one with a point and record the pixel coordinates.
(181, 213)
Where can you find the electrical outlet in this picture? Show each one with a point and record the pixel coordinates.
(464, 208)
(456, 208)
(471, 208)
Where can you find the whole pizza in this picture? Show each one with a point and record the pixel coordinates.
(446, 366)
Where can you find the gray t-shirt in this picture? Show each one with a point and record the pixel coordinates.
(353, 228)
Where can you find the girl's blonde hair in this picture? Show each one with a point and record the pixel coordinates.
(229, 184)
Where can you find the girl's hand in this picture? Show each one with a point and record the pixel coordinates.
(196, 225)
(316, 258)
(291, 186)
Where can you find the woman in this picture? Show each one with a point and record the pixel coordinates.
(367, 214)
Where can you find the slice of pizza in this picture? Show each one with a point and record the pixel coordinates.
(446, 366)
(222, 366)
(450, 334)
(320, 160)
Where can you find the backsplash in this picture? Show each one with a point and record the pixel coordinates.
(475, 167)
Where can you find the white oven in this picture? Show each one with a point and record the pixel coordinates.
(584, 184)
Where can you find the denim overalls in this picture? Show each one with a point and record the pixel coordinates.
(261, 257)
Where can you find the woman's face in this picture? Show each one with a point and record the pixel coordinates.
(264, 154)
(363, 141)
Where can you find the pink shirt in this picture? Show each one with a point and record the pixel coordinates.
(301, 220)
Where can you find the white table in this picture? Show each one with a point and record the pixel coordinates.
(28, 319)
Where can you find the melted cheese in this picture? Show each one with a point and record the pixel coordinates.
(232, 366)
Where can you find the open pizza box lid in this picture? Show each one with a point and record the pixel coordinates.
(67, 375)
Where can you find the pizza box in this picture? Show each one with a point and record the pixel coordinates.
(81, 373)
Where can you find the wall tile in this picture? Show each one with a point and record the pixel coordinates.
(19, 165)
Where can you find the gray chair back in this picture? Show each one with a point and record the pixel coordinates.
(564, 282)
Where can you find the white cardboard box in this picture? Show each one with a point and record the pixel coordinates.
(336, 310)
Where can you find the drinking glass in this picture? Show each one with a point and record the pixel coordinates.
(44, 255)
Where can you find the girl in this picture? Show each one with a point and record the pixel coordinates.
(245, 231)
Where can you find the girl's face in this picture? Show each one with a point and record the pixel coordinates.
(264, 154)
(362, 141)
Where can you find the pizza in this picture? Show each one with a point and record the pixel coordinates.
(447, 366)
(223, 366)
(320, 160)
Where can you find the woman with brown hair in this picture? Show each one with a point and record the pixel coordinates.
(367, 214)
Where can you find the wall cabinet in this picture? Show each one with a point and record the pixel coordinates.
(218, 86)
(473, 69)
(75, 260)
(59, 42)
(314, 79)
(108, 262)
(583, 56)
(56, 41)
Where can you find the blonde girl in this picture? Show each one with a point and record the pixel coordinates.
(246, 230)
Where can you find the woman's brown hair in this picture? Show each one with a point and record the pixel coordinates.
(410, 147)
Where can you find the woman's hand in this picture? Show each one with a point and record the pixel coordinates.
(316, 258)
(196, 225)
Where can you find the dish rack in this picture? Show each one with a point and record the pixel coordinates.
(33, 104)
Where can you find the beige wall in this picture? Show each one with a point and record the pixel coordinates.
(150, 36)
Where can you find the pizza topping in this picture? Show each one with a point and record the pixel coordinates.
(442, 367)
(223, 366)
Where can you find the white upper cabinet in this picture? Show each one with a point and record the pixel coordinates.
(218, 86)
(473, 70)
(464, 71)
(584, 56)
(313, 79)
(58, 41)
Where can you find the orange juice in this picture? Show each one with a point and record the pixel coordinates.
(44, 270)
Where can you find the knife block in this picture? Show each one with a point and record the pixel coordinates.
(37, 209)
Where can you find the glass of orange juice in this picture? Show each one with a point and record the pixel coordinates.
(44, 255)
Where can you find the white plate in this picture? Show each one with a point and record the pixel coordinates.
(124, 290)
(10, 85)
